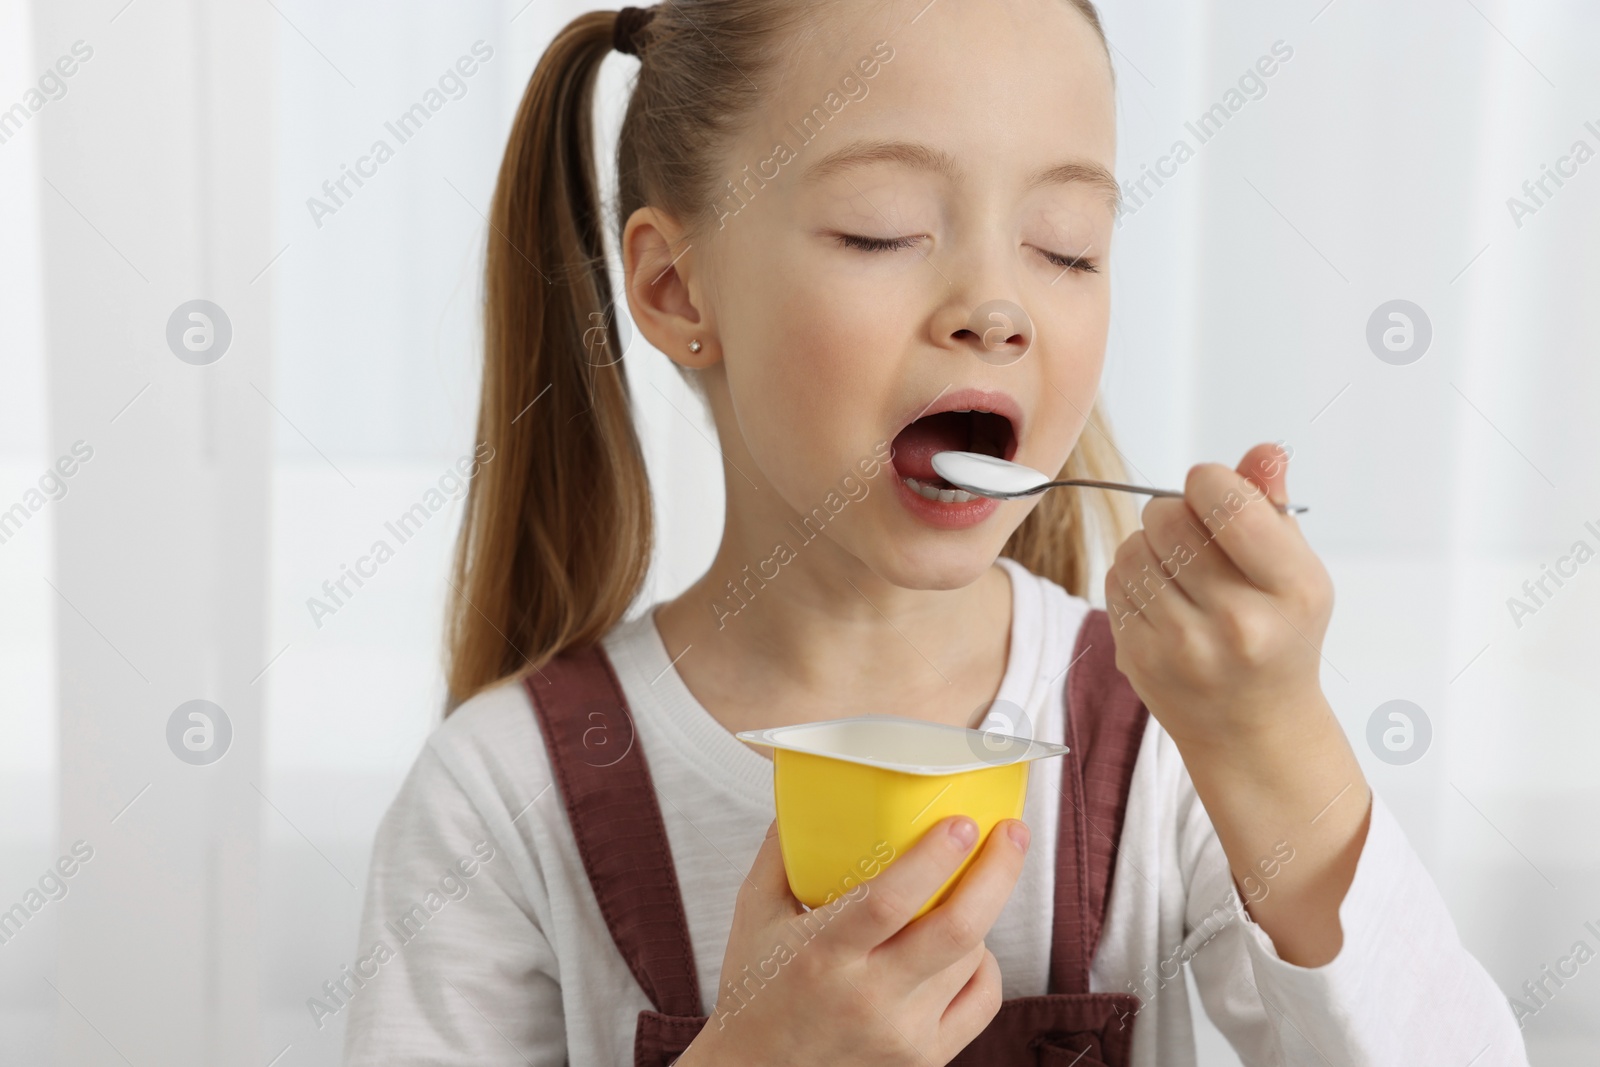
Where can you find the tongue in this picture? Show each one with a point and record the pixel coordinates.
(914, 448)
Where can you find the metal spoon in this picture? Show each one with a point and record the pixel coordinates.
(1003, 480)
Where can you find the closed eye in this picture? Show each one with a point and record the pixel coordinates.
(1082, 264)
(875, 244)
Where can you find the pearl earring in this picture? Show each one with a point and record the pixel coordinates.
(695, 346)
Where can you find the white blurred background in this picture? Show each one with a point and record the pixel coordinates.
(1375, 164)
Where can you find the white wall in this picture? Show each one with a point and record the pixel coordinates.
(28, 765)
(143, 202)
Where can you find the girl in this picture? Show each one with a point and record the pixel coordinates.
(868, 232)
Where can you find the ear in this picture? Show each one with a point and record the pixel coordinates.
(665, 295)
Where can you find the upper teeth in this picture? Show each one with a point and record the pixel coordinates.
(945, 496)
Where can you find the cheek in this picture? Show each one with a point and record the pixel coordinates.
(811, 380)
(1073, 358)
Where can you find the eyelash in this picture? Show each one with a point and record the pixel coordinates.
(875, 244)
(1080, 263)
(895, 244)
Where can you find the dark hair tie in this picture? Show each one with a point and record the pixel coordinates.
(624, 33)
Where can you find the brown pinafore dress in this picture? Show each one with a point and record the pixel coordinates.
(611, 806)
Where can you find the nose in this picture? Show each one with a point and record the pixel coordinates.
(980, 317)
(998, 332)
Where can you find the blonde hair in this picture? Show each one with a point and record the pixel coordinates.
(557, 535)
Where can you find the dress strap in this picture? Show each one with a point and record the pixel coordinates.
(600, 771)
(1105, 721)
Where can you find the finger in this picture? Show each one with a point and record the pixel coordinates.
(1123, 601)
(893, 895)
(1268, 467)
(1203, 570)
(1167, 600)
(1264, 543)
(765, 894)
(943, 987)
(959, 925)
(974, 1006)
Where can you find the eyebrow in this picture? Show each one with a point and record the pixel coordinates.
(936, 161)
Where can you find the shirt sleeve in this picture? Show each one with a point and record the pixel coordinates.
(1403, 989)
(454, 967)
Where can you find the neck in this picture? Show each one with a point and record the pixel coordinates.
(772, 636)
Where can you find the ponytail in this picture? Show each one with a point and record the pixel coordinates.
(556, 538)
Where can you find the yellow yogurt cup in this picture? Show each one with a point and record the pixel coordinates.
(852, 794)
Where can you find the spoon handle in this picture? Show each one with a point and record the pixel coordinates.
(1292, 509)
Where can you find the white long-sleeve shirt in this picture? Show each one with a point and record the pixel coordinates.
(481, 942)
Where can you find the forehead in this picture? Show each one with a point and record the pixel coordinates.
(990, 86)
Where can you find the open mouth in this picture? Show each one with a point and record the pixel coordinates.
(969, 430)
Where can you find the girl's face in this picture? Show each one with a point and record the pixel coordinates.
(917, 260)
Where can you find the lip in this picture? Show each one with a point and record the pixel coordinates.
(961, 516)
(969, 513)
(991, 400)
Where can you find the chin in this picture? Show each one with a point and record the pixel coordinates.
(923, 558)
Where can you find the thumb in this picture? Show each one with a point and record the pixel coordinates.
(1267, 465)
(766, 888)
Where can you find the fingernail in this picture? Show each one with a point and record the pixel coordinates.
(1019, 834)
(964, 832)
